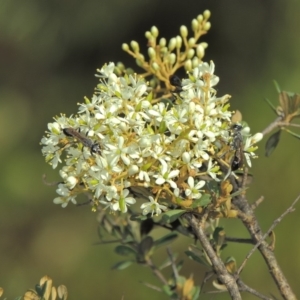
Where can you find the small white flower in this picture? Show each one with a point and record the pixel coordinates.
(123, 201)
(66, 196)
(152, 207)
(165, 175)
(193, 190)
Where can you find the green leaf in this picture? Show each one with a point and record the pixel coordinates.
(172, 215)
(146, 245)
(277, 86)
(272, 106)
(125, 250)
(165, 240)
(217, 232)
(137, 217)
(196, 258)
(196, 292)
(167, 289)
(203, 201)
(272, 143)
(238, 192)
(167, 262)
(293, 133)
(121, 265)
(179, 265)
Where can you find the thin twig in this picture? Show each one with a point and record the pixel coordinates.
(151, 286)
(238, 240)
(207, 276)
(274, 224)
(245, 288)
(223, 275)
(288, 124)
(257, 202)
(156, 271)
(273, 125)
(246, 214)
(175, 271)
(49, 183)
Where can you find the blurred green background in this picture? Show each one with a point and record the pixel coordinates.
(49, 54)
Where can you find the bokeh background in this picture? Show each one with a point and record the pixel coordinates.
(50, 51)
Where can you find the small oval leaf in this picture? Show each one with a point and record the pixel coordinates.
(165, 240)
(121, 265)
(203, 201)
(172, 215)
(125, 250)
(146, 245)
(272, 142)
(195, 257)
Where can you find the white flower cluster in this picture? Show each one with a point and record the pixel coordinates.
(164, 148)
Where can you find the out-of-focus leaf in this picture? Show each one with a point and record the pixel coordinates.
(168, 102)
(165, 240)
(277, 86)
(196, 258)
(31, 295)
(239, 192)
(54, 294)
(179, 265)
(272, 106)
(167, 262)
(203, 201)
(146, 245)
(136, 217)
(121, 265)
(46, 283)
(196, 292)
(1, 291)
(62, 292)
(172, 215)
(146, 226)
(230, 264)
(272, 142)
(167, 289)
(293, 133)
(236, 117)
(125, 250)
(219, 235)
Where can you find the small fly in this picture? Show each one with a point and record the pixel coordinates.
(237, 145)
(86, 142)
(175, 81)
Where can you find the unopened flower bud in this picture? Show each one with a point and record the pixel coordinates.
(135, 46)
(191, 42)
(162, 42)
(154, 31)
(172, 44)
(125, 47)
(206, 14)
(207, 26)
(195, 25)
(183, 31)
(191, 53)
(151, 53)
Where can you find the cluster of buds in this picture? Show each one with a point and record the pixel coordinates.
(134, 140)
